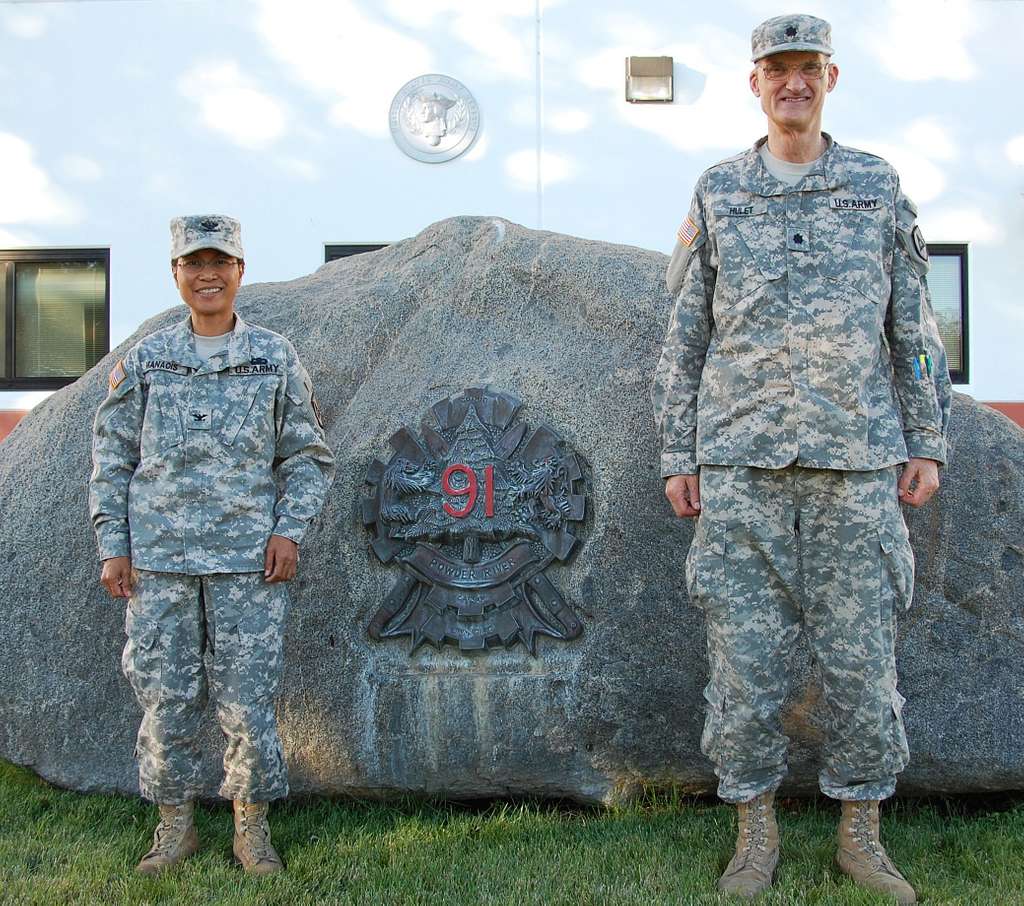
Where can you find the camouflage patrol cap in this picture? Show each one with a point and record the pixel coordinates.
(205, 231)
(794, 32)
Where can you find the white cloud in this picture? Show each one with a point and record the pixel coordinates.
(1015, 150)
(723, 113)
(230, 103)
(521, 168)
(80, 169)
(568, 120)
(24, 25)
(355, 64)
(920, 179)
(931, 138)
(503, 51)
(959, 225)
(27, 192)
(924, 39)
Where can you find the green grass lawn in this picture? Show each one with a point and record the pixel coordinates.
(58, 847)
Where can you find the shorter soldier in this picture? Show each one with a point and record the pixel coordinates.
(209, 464)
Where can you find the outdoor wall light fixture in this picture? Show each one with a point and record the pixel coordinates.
(648, 80)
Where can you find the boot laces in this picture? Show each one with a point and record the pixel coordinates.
(868, 840)
(755, 834)
(168, 834)
(256, 832)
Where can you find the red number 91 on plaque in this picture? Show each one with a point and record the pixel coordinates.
(469, 490)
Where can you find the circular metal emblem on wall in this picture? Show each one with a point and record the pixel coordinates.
(434, 118)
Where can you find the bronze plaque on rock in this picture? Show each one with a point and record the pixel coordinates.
(473, 511)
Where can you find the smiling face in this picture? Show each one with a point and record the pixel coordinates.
(208, 280)
(793, 103)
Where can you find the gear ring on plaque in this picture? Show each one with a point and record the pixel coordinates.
(474, 513)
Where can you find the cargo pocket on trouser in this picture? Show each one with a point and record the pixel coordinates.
(705, 567)
(898, 755)
(142, 661)
(250, 660)
(897, 563)
(712, 737)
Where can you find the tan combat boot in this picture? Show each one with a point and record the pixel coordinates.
(750, 870)
(862, 856)
(252, 844)
(174, 840)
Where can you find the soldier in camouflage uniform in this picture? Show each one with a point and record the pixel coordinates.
(801, 368)
(209, 464)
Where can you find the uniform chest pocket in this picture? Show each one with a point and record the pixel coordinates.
(751, 248)
(248, 421)
(161, 424)
(858, 244)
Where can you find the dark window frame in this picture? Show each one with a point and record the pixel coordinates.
(333, 251)
(8, 380)
(959, 250)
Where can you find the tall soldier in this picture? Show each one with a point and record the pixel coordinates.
(801, 366)
(209, 464)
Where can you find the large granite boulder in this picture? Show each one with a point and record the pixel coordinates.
(611, 699)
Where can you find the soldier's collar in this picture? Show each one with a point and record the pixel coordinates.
(180, 347)
(828, 171)
(238, 343)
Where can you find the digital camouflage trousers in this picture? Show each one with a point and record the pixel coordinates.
(188, 636)
(777, 551)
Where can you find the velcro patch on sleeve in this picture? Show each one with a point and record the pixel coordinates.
(118, 375)
(688, 232)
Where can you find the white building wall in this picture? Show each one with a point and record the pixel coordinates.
(116, 115)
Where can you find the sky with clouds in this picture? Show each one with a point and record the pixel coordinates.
(116, 116)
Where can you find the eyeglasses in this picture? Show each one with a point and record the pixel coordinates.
(197, 265)
(810, 72)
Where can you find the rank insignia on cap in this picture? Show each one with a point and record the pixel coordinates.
(688, 232)
(118, 375)
(791, 31)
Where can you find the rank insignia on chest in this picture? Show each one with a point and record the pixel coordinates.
(118, 375)
(688, 232)
(198, 419)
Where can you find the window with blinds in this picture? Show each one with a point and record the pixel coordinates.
(55, 306)
(947, 285)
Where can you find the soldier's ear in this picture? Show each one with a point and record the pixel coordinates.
(833, 76)
(753, 83)
(241, 268)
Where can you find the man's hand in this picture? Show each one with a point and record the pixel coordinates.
(116, 577)
(282, 559)
(920, 479)
(683, 492)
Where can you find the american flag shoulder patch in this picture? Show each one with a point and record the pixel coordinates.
(118, 375)
(688, 232)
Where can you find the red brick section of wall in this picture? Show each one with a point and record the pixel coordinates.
(8, 419)
(1013, 411)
